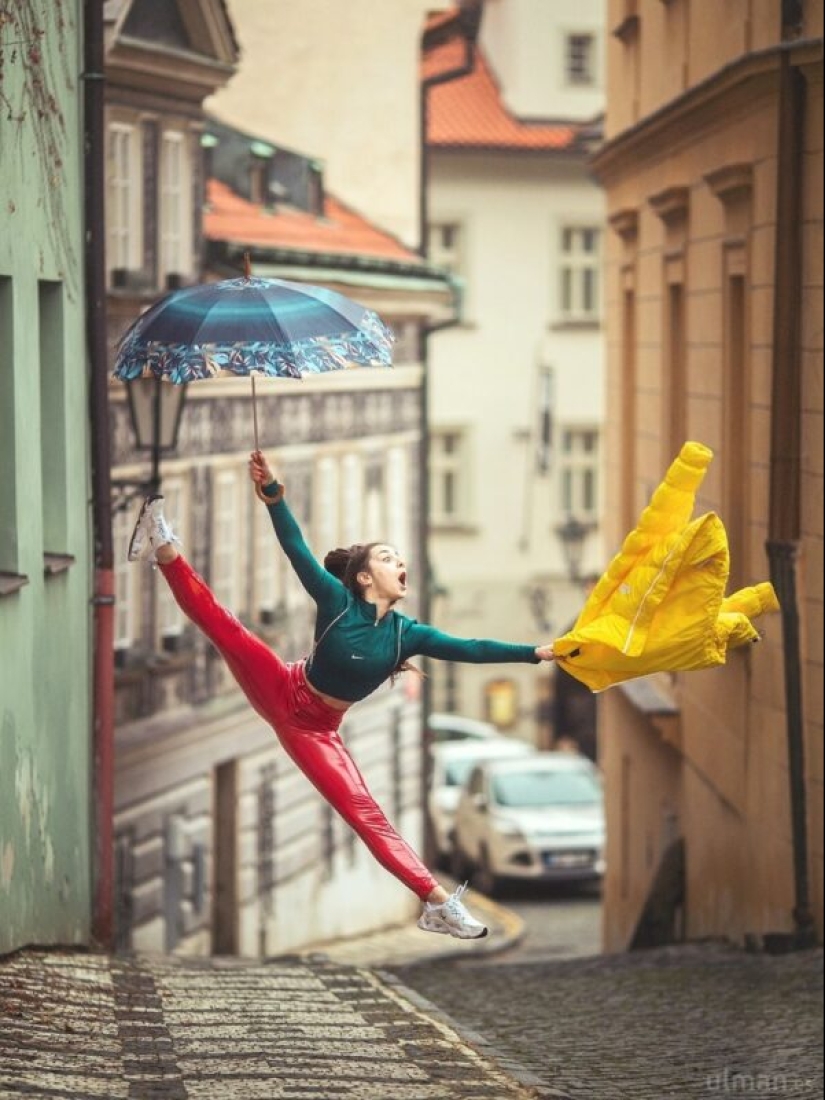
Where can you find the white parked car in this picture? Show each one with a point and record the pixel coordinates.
(455, 727)
(452, 763)
(540, 818)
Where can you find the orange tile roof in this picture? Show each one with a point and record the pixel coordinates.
(341, 231)
(470, 113)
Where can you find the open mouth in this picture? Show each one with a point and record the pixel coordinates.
(402, 579)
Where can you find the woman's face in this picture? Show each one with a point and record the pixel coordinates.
(387, 573)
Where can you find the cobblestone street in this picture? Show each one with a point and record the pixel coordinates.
(684, 1023)
(84, 1027)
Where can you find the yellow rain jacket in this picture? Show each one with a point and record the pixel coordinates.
(661, 605)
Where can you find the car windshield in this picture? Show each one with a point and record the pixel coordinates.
(546, 788)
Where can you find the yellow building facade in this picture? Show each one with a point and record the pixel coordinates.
(713, 170)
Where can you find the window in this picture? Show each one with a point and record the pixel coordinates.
(170, 618)
(174, 205)
(53, 439)
(544, 447)
(448, 476)
(127, 586)
(327, 509)
(8, 450)
(124, 199)
(580, 285)
(227, 549)
(675, 396)
(445, 246)
(398, 511)
(501, 703)
(352, 497)
(579, 466)
(407, 346)
(267, 567)
(375, 512)
(580, 60)
(628, 412)
(736, 403)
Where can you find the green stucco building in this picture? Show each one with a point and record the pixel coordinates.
(45, 540)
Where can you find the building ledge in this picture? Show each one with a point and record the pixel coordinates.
(54, 564)
(651, 697)
(594, 325)
(11, 583)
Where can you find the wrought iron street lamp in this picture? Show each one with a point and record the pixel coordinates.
(155, 410)
(572, 534)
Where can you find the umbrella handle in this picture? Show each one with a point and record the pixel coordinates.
(254, 412)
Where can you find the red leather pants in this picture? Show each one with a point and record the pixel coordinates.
(305, 725)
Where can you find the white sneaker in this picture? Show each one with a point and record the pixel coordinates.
(452, 918)
(151, 531)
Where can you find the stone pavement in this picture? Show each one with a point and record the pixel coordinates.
(91, 1027)
(689, 1022)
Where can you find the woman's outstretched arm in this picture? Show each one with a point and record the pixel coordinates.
(430, 642)
(325, 589)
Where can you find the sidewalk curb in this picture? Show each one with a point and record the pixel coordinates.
(403, 944)
(538, 1088)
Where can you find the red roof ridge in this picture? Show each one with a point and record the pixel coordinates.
(470, 112)
(340, 231)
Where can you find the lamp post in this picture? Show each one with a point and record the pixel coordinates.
(155, 410)
(572, 534)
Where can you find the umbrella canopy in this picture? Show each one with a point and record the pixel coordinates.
(251, 326)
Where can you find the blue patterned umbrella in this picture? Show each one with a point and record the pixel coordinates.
(251, 326)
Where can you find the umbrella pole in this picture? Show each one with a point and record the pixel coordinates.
(254, 413)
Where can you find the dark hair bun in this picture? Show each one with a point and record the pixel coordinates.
(336, 562)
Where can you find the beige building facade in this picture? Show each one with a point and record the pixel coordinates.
(712, 166)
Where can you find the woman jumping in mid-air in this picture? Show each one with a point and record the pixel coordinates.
(360, 641)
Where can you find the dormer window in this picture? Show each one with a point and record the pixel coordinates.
(315, 190)
(259, 182)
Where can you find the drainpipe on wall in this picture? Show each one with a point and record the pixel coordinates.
(784, 531)
(104, 585)
(469, 18)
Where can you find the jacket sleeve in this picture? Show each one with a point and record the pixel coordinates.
(326, 590)
(429, 642)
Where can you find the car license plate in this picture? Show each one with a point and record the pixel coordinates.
(568, 859)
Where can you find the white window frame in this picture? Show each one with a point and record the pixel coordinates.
(327, 509)
(398, 500)
(579, 470)
(375, 504)
(124, 213)
(450, 476)
(576, 264)
(267, 565)
(127, 584)
(588, 75)
(170, 619)
(175, 195)
(352, 499)
(228, 549)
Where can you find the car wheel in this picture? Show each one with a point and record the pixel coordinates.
(484, 880)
